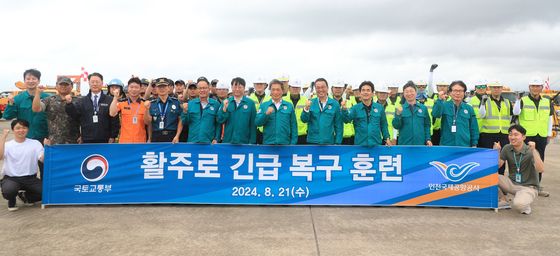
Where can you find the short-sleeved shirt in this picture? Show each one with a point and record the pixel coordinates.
(171, 111)
(20, 159)
(132, 132)
(529, 175)
(62, 128)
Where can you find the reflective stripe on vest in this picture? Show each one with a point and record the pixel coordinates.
(390, 114)
(496, 120)
(302, 127)
(253, 97)
(349, 127)
(534, 120)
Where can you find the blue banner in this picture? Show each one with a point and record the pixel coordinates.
(270, 175)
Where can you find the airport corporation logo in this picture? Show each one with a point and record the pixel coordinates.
(94, 168)
(454, 172)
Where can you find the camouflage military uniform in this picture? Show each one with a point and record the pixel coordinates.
(62, 128)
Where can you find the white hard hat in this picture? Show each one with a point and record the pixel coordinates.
(442, 83)
(536, 81)
(383, 88)
(338, 84)
(420, 82)
(222, 86)
(284, 78)
(260, 80)
(494, 84)
(306, 85)
(296, 83)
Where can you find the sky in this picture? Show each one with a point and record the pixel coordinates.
(387, 42)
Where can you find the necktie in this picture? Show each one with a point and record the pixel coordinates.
(95, 106)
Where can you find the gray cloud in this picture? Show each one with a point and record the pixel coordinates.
(325, 19)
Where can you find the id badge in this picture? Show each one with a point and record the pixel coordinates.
(453, 128)
(518, 177)
(95, 119)
(161, 125)
(134, 120)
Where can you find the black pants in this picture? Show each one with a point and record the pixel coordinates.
(486, 140)
(348, 141)
(302, 139)
(436, 137)
(540, 146)
(183, 137)
(163, 136)
(11, 186)
(259, 137)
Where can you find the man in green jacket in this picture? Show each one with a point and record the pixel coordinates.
(459, 126)
(323, 118)
(19, 107)
(412, 119)
(370, 122)
(201, 117)
(238, 113)
(278, 118)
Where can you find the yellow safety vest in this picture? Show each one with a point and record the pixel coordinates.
(253, 97)
(496, 120)
(475, 103)
(349, 127)
(302, 127)
(534, 120)
(429, 103)
(390, 113)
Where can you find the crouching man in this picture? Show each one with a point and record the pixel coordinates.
(20, 157)
(524, 165)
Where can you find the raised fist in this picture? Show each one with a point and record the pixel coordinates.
(307, 105)
(270, 110)
(68, 98)
(226, 104)
(398, 110)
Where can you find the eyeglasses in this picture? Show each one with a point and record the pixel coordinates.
(480, 86)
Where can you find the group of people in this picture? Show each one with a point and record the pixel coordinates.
(277, 113)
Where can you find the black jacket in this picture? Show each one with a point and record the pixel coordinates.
(82, 109)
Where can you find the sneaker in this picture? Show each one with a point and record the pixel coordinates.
(503, 205)
(527, 211)
(21, 195)
(13, 208)
(543, 193)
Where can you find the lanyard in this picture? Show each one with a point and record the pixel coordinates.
(162, 112)
(456, 110)
(517, 163)
(129, 104)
